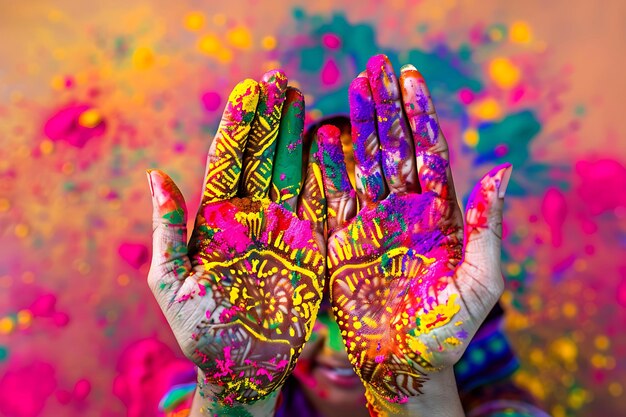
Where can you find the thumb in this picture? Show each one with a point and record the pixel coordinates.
(170, 263)
(483, 232)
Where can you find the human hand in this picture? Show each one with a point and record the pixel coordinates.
(409, 285)
(242, 296)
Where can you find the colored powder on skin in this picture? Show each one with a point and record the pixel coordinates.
(289, 148)
(229, 236)
(80, 213)
(333, 163)
(243, 109)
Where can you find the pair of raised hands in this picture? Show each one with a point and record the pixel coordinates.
(409, 283)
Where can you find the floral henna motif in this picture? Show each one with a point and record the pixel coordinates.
(259, 264)
(389, 268)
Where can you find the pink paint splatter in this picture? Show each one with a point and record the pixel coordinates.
(297, 233)
(330, 72)
(45, 307)
(135, 254)
(554, 210)
(81, 390)
(230, 236)
(211, 101)
(146, 370)
(225, 366)
(65, 125)
(466, 96)
(602, 185)
(331, 41)
(24, 391)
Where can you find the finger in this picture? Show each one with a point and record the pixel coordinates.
(398, 156)
(312, 201)
(287, 171)
(483, 234)
(431, 148)
(369, 179)
(170, 263)
(340, 197)
(224, 158)
(259, 154)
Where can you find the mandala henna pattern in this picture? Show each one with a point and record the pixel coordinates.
(260, 265)
(388, 268)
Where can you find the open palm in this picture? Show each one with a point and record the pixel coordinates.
(409, 286)
(243, 295)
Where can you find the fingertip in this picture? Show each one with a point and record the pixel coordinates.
(242, 101)
(167, 198)
(362, 106)
(409, 70)
(502, 178)
(245, 87)
(294, 94)
(277, 77)
(148, 171)
(329, 134)
(376, 62)
(408, 67)
(415, 93)
(294, 107)
(383, 79)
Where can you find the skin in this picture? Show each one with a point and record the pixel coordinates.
(242, 295)
(410, 283)
(410, 277)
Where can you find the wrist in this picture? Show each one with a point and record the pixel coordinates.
(439, 398)
(209, 401)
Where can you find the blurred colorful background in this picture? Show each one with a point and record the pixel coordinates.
(92, 94)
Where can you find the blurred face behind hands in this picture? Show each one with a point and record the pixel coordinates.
(323, 370)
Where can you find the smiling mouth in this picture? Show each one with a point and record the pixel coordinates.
(339, 376)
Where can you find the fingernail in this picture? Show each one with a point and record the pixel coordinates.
(157, 188)
(505, 176)
(148, 171)
(408, 67)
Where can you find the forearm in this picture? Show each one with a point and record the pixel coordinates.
(206, 404)
(440, 398)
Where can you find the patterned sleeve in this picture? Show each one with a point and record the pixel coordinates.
(484, 375)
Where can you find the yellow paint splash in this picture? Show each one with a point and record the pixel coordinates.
(487, 109)
(520, 32)
(439, 316)
(194, 21)
(240, 37)
(504, 73)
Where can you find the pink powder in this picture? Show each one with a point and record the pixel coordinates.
(554, 210)
(24, 391)
(135, 254)
(64, 126)
(330, 72)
